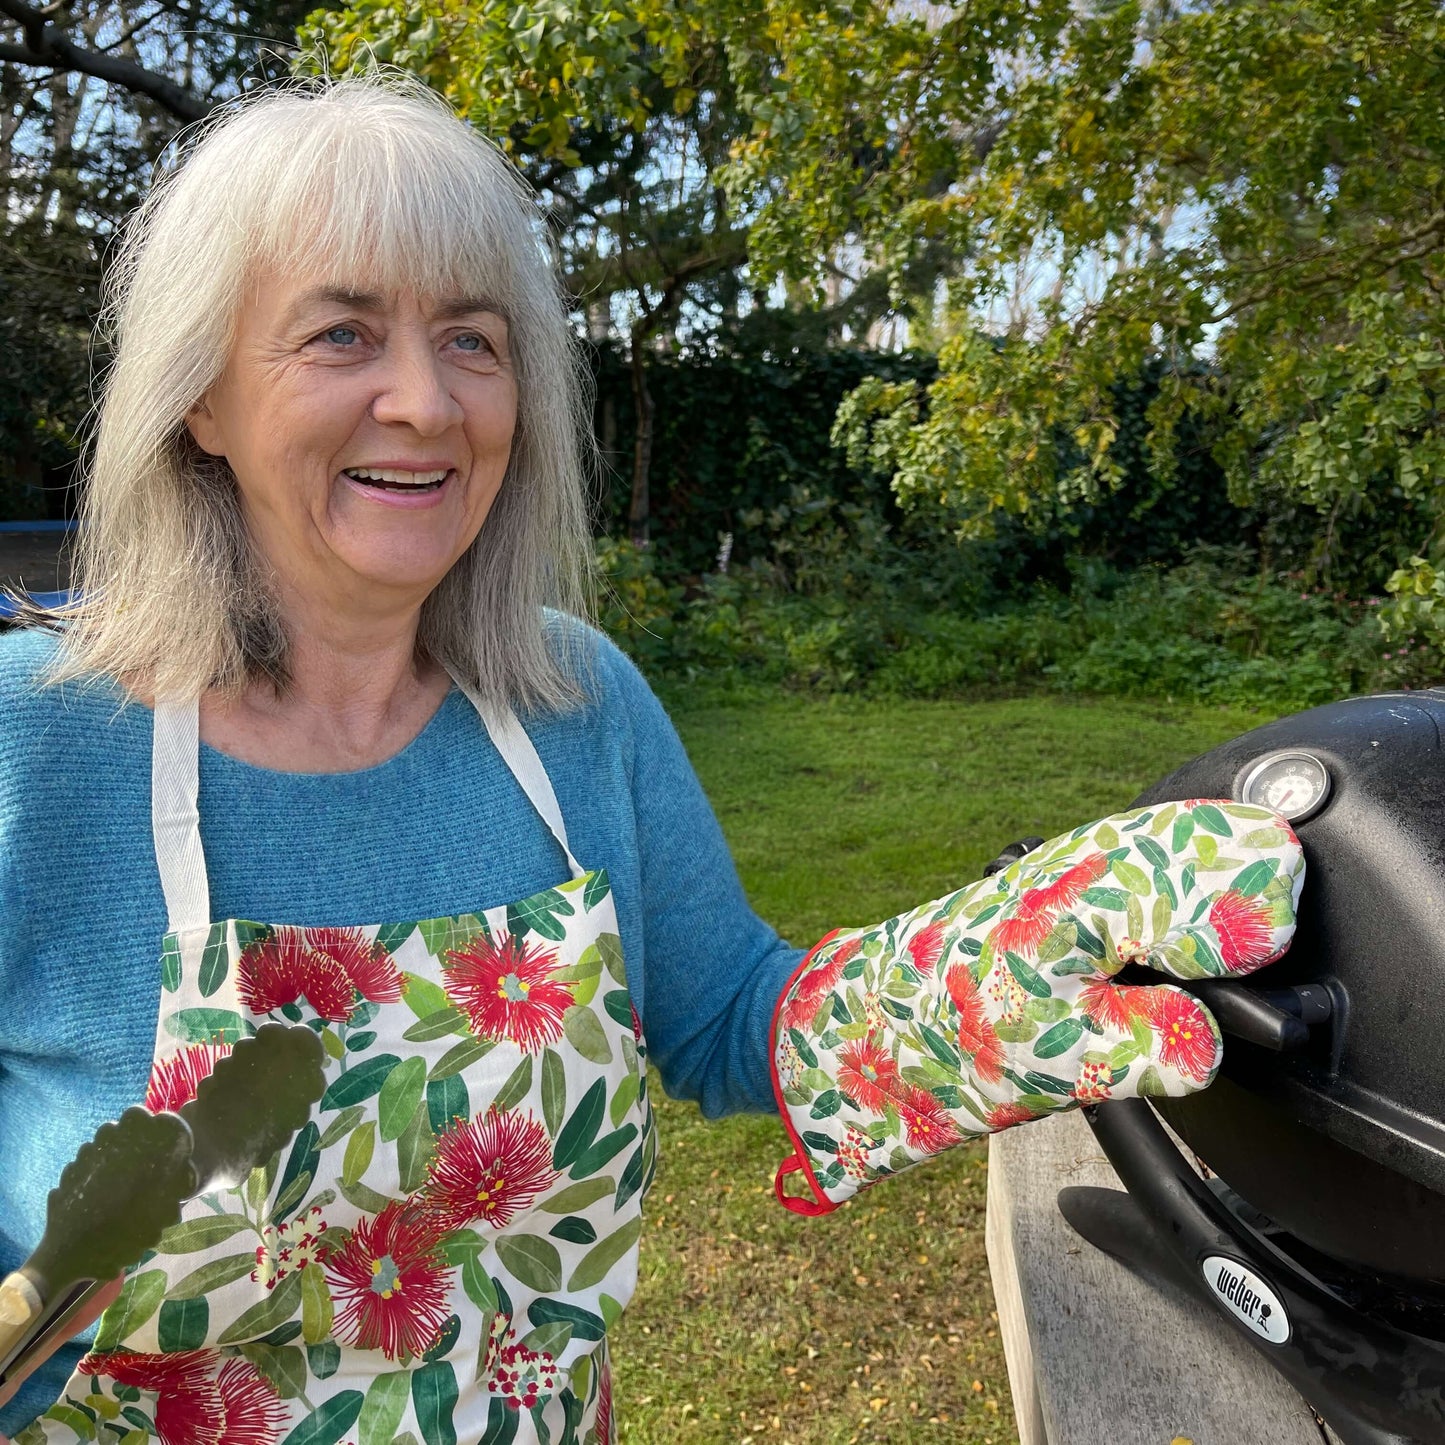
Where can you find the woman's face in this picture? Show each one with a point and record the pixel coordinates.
(368, 434)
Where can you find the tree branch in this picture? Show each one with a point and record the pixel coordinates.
(47, 45)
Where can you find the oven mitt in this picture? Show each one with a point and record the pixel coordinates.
(997, 1004)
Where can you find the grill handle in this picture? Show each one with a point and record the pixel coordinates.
(1272, 1018)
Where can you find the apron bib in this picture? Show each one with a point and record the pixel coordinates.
(439, 1253)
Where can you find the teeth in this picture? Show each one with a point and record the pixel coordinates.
(396, 478)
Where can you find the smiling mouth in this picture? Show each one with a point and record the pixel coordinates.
(389, 480)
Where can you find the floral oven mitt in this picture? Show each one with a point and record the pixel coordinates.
(997, 1004)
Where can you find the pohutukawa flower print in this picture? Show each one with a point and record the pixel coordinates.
(1110, 1005)
(521, 1376)
(927, 1124)
(976, 1036)
(1186, 1040)
(816, 984)
(371, 969)
(507, 990)
(486, 1170)
(389, 1284)
(925, 948)
(331, 968)
(1032, 918)
(1245, 929)
(1005, 1116)
(201, 1398)
(867, 1073)
(174, 1081)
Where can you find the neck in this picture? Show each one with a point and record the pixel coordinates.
(358, 695)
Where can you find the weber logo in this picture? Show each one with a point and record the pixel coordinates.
(1247, 1297)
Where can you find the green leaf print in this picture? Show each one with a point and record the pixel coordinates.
(414, 1149)
(595, 1159)
(826, 1104)
(1059, 1039)
(624, 1098)
(554, 1090)
(541, 914)
(434, 1398)
(393, 935)
(581, 1129)
(400, 1095)
(446, 1100)
(1208, 816)
(304, 1157)
(575, 1230)
(1183, 832)
(609, 945)
(138, 1300)
(1134, 878)
(598, 1260)
(551, 1338)
(170, 964)
(182, 1324)
(460, 1056)
(575, 1196)
(359, 1083)
(191, 1235)
(384, 1406)
(77, 1420)
(442, 1347)
(215, 961)
(323, 1360)
(341, 1125)
(442, 934)
(585, 1325)
(1157, 857)
(585, 1034)
(266, 1314)
(448, 1020)
(595, 890)
(477, 1284)
(502, 1424)
(214, 1274)
(359, 1149)
(363, 1197)
(423, 997)
(532, 1260)
(1114, 899)
(1256, 878)
(283, 1365)
(518, 1085)
(316, 1307)
(1027, 978)
(335, 1417)
(206, 1026)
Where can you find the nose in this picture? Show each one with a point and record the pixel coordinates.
(414, 388)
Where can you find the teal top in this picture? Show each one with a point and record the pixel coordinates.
(441, 828)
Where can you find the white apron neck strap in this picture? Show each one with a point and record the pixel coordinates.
(511, 741)
(175, 820)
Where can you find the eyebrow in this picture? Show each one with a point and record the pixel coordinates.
(449, 309)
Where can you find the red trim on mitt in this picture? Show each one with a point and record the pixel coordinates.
(798, 1161)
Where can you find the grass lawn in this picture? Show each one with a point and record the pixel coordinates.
(875, 1323)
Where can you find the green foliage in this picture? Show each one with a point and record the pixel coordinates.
(1255, 182)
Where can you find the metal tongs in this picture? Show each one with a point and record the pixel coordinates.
(125, 1188)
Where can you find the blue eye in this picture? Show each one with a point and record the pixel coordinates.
(341, 335)
(470, 341)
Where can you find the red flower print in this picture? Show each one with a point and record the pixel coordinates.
(197, 1403)
(389, 1284)
(867, 1072)
(1186, 1040)
(521, 1376)
(927, 1124)
(371, 969)
(1033, 915)
(976, 1036)
(1005, 1116)
(819, 981)
(507, 990)
(328, 967)
(926, 947)
(1093, 1084)
(283, 969)
(854, 1152)
(1246, 934)
(487, 1169)
(602, 1429)
(174, 1081)
(1112, 1005)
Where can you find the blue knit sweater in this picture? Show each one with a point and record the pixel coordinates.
(441, 828)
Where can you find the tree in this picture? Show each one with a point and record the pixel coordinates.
(91, 92)
(619, 114)
(1249, 196)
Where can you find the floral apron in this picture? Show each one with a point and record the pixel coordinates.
(438, 1254)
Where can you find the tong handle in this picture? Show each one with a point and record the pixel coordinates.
(23, 1341)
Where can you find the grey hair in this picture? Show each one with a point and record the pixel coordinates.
(374, 182)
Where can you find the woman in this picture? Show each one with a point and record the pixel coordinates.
(337, 480)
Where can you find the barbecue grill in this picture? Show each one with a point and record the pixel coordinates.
(1315, 1222)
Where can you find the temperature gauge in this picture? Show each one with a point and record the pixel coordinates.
(1295, 784)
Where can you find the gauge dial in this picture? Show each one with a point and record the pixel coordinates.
(1295, 784)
